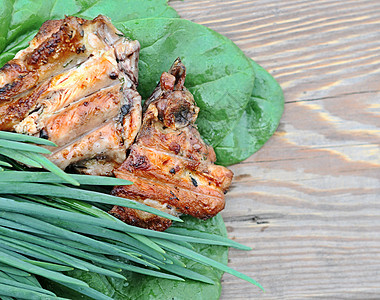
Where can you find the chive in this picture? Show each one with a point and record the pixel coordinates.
(147, 241)
(15, 262)
(27, 208)
(117, 236)
(204, 260)
(49, 266)
(23, 293)
(5, 275)
(187, 273)
(51, 201)
(17, 255)
(137, 259)
(93, 228)
(110, 234)
(12, 270)
(47, 177)
(23, 147)
(83, 207)
(58, 256)
(21, 279)
(117, 225)
(48, 165)
(11, 136)
(47, 244)
(154, 273)
(14, 225)
(105, 261)
(74, 244)
(185, 244)
(5, 164)
(103, 271)
(63, 248)
(60, 232)
(175, 260)
(63, 191)
(64, 233)
(32, 280)
(22, 285)
(174, 237)
(90, 267)
(13, 248)
(204, 235)
(94, 294)
(20, 157)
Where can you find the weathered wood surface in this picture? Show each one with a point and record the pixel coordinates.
(309, 201)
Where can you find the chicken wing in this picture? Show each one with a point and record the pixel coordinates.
(171, 167)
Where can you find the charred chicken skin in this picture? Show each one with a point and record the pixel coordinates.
(75, 85)
(171, 167)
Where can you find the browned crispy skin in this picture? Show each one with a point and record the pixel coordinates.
(105, 141)
(170, 165)
(140, 218)
(48, 51)
(75, 85)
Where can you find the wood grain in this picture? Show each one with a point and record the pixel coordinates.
(308, 201)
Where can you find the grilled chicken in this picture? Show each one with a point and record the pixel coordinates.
(171, 167)
(75, 85)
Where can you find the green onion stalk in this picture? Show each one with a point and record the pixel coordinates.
(52, 222)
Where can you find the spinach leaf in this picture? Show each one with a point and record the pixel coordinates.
(123, 10)
(219, 74)
(237, 116)
(235, 120)
(145, 287)
(21, 19)
(258, 122)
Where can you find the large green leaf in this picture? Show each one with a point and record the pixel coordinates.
(237, 116)
(218, 73)
(21, 19)
(258, 122)
(145, 287)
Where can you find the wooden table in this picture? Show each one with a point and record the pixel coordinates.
(309, 201)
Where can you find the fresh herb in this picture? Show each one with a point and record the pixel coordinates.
(48, 227)
(240, 102)
(12, 146)
(143, 287)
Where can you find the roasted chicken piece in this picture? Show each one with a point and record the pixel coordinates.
(171, 167)
(75, 85)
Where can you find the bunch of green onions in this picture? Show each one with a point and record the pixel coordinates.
(53, 222)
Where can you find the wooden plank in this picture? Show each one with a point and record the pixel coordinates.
(308, 201)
